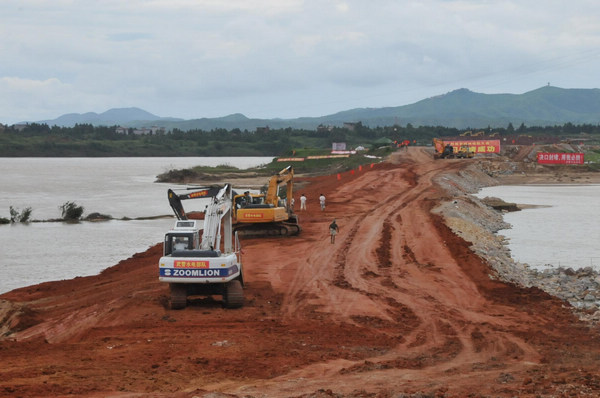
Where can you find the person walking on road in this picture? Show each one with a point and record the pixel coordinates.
(333, 230)
(322, 201)
(302, 202)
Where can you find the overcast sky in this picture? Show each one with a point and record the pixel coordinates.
(283, 58)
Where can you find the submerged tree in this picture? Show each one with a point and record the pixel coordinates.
(20, 216)
(71, 211)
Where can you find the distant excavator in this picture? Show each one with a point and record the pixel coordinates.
(446, 151)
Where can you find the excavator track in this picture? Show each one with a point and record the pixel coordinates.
(272, 229)
(178, 296)
(233, 296)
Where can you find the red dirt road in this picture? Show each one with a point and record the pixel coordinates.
(399, 304)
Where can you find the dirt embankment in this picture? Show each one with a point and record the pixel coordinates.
(400, 305)
(477, 221)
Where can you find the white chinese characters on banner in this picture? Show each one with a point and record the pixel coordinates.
(560, 158)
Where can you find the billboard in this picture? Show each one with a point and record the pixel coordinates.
(560, 158)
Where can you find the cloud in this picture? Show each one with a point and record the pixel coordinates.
(130, 36)
(26, 96)
(283, 58)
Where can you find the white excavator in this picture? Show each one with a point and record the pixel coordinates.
(203, 266)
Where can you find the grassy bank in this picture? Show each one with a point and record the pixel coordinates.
(307, 166)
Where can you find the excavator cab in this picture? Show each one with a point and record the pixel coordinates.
(184, 236)
(248, 200)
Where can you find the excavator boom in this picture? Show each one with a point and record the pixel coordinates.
(284, 176)
(198, 193)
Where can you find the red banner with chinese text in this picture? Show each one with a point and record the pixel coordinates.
(477, 146)
(560, 158)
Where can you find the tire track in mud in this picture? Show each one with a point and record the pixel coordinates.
(451, 340)
(465, 331)
(395, 311)
(302, 288)
(450, 346)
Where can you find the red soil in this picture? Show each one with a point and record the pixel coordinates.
(399, 304)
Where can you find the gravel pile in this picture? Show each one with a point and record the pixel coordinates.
(474, 221)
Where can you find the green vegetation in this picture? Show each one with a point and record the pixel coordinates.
(592, 159)
(70, 211)
(89, 141)
(308, 166)
(20, 216)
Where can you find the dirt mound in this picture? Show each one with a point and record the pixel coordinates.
(398, 306)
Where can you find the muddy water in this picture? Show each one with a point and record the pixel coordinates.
(120, 187)
(562, 232)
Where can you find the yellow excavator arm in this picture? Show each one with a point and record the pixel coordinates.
(284, 176)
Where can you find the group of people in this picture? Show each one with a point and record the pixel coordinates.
(333, 227)
(303, 202)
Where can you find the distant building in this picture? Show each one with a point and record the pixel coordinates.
(141, 131)
(157, 130)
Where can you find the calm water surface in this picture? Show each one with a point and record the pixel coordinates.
(120, 187)
(562, 233)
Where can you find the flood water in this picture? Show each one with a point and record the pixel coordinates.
(562, 232)
(120, 187)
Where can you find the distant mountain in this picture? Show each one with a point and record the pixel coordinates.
(461, 108)
(120, 116)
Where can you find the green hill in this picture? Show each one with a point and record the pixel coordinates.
(462, 108)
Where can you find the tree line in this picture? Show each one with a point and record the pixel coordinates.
(87, 140)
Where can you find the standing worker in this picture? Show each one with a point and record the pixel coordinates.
(302, 202)
(333, 230)
(322, 201)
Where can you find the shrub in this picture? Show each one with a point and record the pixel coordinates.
(71, 211)
(20, 216)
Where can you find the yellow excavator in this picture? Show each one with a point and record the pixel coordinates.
(266, 214)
